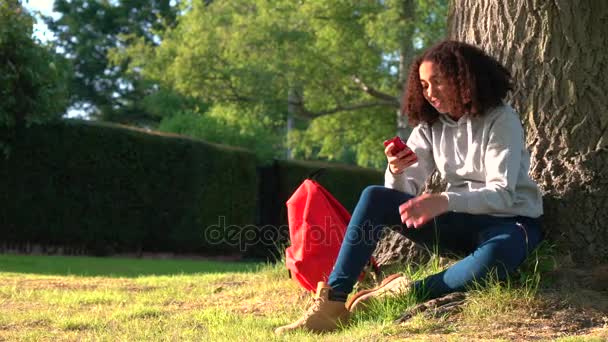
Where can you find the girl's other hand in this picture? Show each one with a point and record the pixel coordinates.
(419, 210)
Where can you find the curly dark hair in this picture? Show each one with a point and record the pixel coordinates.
(475, 82)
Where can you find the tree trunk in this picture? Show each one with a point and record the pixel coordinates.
(294, 97)
(406, 55)
(556, 51)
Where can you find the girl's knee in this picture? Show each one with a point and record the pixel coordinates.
(505, 250)
(373, 192)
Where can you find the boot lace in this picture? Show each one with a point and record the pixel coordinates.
(314, 307)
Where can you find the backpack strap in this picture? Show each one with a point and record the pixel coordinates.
(316, 174)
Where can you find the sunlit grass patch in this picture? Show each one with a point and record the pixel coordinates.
(517, 292)
(220, 325)
(229, 306)
(494, 301)
(83, 298)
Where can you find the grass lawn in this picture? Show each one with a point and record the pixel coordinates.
(49, 298)
(116, 267)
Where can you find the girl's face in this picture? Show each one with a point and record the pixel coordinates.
(434, 87)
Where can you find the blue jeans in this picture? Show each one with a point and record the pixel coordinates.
(491, 243)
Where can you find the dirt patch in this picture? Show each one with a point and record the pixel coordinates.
(78, 284)
(36, 323)
(52, 284)
(549, 317)
(226, 285)
(138, 288)
(565, 317)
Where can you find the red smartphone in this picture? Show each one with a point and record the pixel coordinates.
(399, 145)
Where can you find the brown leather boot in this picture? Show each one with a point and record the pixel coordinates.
(391, 286)
(324, 314)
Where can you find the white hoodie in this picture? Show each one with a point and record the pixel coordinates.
(483, 159)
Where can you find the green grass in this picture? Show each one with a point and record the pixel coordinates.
(115, 267)
(113, 299)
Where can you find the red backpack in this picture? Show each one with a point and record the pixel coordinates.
(317, 224)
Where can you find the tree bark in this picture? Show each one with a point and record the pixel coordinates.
(294, 98)
(556, 51)
(406, 55)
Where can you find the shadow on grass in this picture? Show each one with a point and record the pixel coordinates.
(117, 267)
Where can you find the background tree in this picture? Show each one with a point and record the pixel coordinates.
(556, 51)
(228, 124)
(32, 77)
(87, 30)
(315, 58)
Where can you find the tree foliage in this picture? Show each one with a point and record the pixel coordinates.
(87, 30)
(32, 77)
(351, 137)
(317, 58)
(229, 125)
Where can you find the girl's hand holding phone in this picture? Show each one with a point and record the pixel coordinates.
(399, 155)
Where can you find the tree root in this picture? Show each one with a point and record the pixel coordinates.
(446, 305)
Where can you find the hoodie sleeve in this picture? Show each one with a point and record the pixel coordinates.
(412, 179)
(502, 160)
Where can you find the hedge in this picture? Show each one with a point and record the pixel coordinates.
(109, 189)
(104, 188)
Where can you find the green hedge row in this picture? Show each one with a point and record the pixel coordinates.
(106, 188)
(109, 189)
